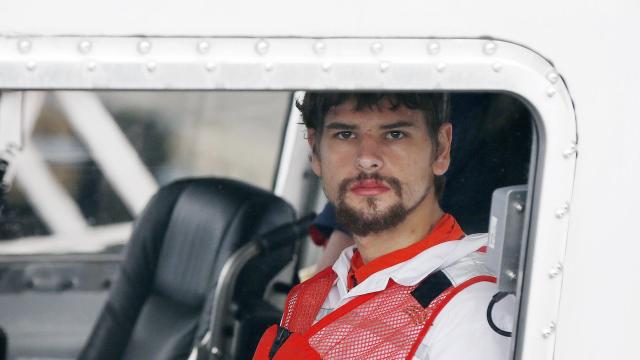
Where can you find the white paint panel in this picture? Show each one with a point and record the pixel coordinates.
(242, 63)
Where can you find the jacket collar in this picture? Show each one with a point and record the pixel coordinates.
(410, 272)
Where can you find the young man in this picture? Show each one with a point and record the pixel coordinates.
(413, 286)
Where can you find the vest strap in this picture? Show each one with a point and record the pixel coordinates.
(431, 287)
(282, 334)
(446, 296)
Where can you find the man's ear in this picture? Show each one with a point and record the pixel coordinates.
(443, 150)
(314, 144)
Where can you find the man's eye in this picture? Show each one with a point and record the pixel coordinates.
(395, 135)
(345, 135)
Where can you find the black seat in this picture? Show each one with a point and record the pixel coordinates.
(157, 306)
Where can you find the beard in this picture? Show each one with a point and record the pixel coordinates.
(371, 220)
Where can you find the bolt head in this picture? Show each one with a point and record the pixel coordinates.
(319, 47)
(490, 48)
(31, 65)
(92, 65)
(376, 48)
(84, 46)
(570, 151)
(518, 206)
(553, 77)
(210, 66)
(152, 66)
(384, 66)
(497, 67)
(441, 67)
(433, 48)
(551, 91)
(144, 47)
(262, 47)
(326, 67)
(203, 47)
(562, 211)
(24, 46)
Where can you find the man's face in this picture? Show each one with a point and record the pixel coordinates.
(378, 165)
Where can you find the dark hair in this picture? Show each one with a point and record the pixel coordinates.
(434, 106)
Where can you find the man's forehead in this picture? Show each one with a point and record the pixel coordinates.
(352, 105)
(383, 112)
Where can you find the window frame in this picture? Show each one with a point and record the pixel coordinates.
(438, 64)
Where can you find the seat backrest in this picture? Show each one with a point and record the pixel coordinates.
(175, 255)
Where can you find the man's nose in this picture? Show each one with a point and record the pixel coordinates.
(369, 159)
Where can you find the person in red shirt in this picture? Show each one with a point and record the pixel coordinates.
(413, 286)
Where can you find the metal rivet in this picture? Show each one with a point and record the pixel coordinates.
(203, 47)
(573, 148)
(92, 65)
(144, 47)
(497, 67)
(555, 271)
(376, 48)
(326, 67)
(551, 91)
(384, 66)
(31, 65)
(24, 46)
(268, 67)
(549, 330)
(319, 47)
(433, 48)
(490, 48)
(152, 66)
(262, 47)
(441, 67)
(215, 351)
(210, 66)
(562, 211)
(518, 206)
(553, 77)
(511, 275)
(84, 46)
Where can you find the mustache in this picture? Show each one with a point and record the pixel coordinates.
(393, 182)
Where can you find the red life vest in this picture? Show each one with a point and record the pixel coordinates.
(388, 324)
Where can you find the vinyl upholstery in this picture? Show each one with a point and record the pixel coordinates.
(158, 306)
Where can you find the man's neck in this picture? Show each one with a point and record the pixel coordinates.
(414, 228)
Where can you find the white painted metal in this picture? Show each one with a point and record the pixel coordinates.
(591, 44)
(18, 113)
(407, 64)
(109, 147)
(31, 108)
(90, 240)
(59, 212)
(11, 132)
(290, 181)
